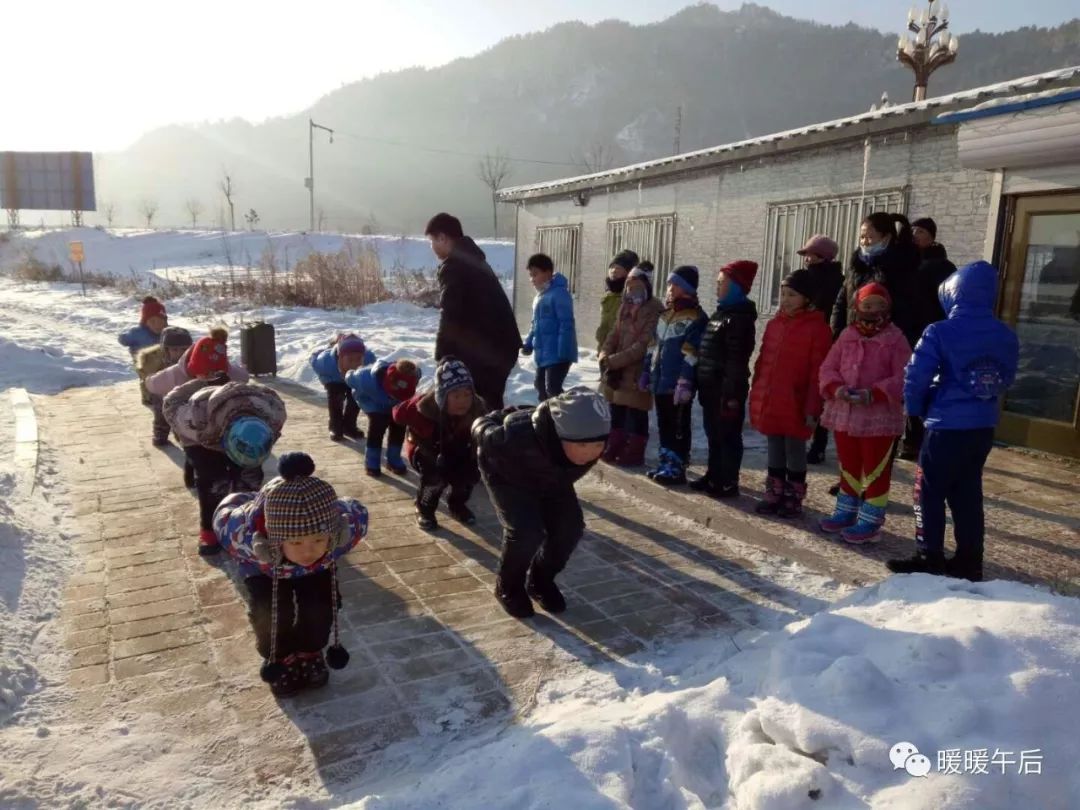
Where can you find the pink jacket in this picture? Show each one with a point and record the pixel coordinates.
(876, 363)
(175, 375)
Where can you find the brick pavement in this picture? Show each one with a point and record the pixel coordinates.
(153, 629)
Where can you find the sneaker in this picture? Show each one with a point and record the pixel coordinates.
(159, 441)
(516, 604)
(547, 595)
(353, 433)
(920, 563)
(397, 469)
(336, 436)
(208, 543)
(702, 484)
(726, 491)
(312, 670)
(372, 472)
(463, 514)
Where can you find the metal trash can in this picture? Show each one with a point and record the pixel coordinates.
(258, 350)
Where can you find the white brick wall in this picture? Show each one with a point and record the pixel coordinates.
(721, 212)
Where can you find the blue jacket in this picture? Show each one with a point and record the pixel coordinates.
(325, 364)
(962, 365)
(367, 388)
(678, 338)
(552, 336)
(137, 338)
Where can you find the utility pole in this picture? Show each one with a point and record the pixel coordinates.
(309, 181)
(678, 131)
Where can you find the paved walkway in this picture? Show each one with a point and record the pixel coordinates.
(153, 629)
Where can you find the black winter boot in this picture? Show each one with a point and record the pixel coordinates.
(544, 590)
(921, 563)
(312, 670)
(514, 600)
(965, 566)
(425, 517)
(290, 681)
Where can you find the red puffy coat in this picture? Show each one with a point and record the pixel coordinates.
(785, 389)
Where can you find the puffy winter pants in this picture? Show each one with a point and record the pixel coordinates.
(633, 421)
(215, 477)
(724, 432)
(380, 425)
(540, 530)
(343, 408)
(461, 476)
(673, 423)
(550, 379)
(950, 472)
(305, 613)
(866, 464)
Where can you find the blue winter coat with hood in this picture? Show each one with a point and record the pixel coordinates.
(367, 388)
(138, 338)
(325, 364)
(553, 338)
(962, 365)
(678, 338)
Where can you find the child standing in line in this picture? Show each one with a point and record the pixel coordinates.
(621, 362)
(618, 270)
(862, 380)
(344, 354)
(377, 389)
(152, 319)
(174, 342)
(208, 357)
(954, 382)
(227, 430)
(785, 401)
(723, 377)
(671, 375)
(530, 460)
(552, 336)
(439, 445)
(287, 539)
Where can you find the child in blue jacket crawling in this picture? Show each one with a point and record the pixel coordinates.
(287, 539)
(344, 354)
(378, 389)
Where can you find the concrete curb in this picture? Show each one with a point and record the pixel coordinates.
(26, 438)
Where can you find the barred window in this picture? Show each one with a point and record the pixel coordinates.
(788, 226)
(563, 244)
(651, 238)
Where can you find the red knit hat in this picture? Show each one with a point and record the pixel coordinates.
(151, 307)
(208, 357)
(742, 272)
(871, 291)
(400, 379)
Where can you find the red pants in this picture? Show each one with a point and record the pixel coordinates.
(865, 466)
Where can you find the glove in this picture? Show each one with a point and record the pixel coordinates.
(684, 391)
(643, 380)
(526, 350)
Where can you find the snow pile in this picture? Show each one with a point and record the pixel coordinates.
(805, 717)
(198, 254)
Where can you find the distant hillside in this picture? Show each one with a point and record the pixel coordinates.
(548, 96)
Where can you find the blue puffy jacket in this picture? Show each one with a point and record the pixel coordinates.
(138, 338)
(367, 388)
(552, 337)
(325, 364)
(678, 338)
(962, 365)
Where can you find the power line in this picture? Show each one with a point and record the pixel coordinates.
(390, 142)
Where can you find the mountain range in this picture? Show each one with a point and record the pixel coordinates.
(406, 144)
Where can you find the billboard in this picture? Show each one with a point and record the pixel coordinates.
(47, 181)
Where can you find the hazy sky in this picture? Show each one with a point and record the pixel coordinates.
(96, 75)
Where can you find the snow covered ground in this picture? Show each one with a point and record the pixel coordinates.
(799, 717)
(180, 255)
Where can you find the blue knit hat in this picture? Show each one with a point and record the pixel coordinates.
(686, 279)
(450, 374)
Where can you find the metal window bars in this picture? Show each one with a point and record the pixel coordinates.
(652, 238)
(563, 244)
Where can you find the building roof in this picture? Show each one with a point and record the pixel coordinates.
(1011, 104)
(894, 117)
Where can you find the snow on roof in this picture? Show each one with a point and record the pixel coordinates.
(1010, 104)
(674, 162)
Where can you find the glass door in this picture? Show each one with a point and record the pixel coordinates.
(1041, 300)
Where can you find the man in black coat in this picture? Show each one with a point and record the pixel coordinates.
(477, 323)
(530, 459)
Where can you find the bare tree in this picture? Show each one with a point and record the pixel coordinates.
(226, 186)
(493, 170)
(194, 208)
(108, 210)
(596, 157)
(252, 219)
(148, 208)
(320, 218)
(371, 225)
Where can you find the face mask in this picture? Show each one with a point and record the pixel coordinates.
(735, 295)
(616, 285)
(637, 297)
(869, 325)
(873, 251)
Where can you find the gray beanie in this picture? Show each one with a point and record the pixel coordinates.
(580, 415)
(175, 337)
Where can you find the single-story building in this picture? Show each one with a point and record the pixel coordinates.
(997, 167)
